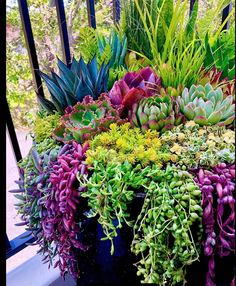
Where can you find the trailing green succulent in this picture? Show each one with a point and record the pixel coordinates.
(110, 190)
(44, 125)
(74, 83)
(168, 229)
(84, 120)
(156, 113)
(206, 106)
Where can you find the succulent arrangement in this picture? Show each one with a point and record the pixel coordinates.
(162, 133)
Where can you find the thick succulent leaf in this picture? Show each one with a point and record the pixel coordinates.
(192, 89)
(199, 111)
(65, 73)
(153, 124)
(208, 87)
(189, 111)
(133, 96)
(69, 99)
(102, 80)
(115, 94)
(201, 103)
(209, 108)
(36, 159)
(93, 69)
(185, 96)
(57, 94)
(201, 120)
(215, 117)
(227, 121)
(82, 68)
(123, 52)
(74, 66)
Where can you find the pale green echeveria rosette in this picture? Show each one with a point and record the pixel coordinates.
(207, 106)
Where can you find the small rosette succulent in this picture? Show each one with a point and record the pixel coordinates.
(213, 76)
(156, 113)
(207, 106)
(134, 86)
(86, 119)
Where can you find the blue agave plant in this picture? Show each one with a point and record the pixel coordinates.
(74, 83)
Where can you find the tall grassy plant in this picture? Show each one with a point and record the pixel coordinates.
(176, 53)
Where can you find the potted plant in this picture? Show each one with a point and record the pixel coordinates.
(135, 183)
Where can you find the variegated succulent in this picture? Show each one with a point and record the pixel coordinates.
(86, 119)
(156, 113)
(207, 106)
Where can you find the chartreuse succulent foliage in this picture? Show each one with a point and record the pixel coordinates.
(206, 106)
(74, 83)
(44, 125)
(156, 113)
(86, 119)
(124, 143)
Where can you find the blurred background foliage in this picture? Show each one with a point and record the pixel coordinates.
(20, 91)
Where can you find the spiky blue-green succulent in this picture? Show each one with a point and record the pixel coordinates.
(74, 83)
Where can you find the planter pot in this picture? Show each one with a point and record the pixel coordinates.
(98, 267)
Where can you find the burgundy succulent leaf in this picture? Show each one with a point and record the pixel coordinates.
(133, 83)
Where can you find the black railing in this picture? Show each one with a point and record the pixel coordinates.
(22, 241)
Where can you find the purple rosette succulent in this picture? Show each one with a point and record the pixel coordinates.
(133, 87)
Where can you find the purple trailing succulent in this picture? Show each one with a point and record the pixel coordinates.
(50, 202)
(86, 119)
(60, 226)
(133, 87)
(218, 202)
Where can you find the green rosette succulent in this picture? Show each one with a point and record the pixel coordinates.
(86, 119)
(207, 106)
(156, 113)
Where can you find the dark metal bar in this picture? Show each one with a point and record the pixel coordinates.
(7, 242)
(30, 45)
(19, 243)
(12, 133)
(63, 31)
(116, 11)
(91, 13)
(191, 6)
(225, 14)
